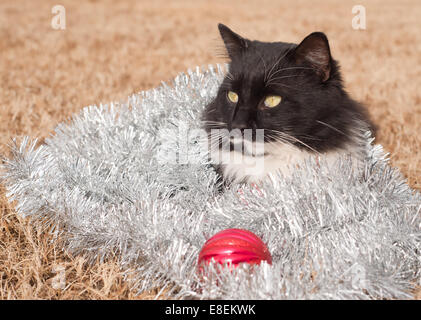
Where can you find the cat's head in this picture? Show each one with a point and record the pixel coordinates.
(292, 91)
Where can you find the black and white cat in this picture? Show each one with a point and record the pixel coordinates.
(292, 97)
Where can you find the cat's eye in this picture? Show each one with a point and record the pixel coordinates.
(232, 96)
(272, 101)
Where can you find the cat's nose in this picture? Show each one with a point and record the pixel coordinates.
(240, 125)
(243, 125)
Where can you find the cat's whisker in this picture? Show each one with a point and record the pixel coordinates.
(290, 137)
(277, 139)
(302, 135)
(216, 126)
(283, 138)
(215, 144)
(264, 67)
(291, 68)
(331, 127)
(309, 137)
(216, 137)
(278, 61)
(229, 76)
(283, 77)
(214, 123)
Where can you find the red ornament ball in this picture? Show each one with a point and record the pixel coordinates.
(234, 246)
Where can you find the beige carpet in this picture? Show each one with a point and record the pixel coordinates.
(111, 49)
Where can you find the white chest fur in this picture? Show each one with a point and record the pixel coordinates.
(278, 157)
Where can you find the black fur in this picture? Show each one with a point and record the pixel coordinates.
(315, 108)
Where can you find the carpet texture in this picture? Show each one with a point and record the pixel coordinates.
(110, 50)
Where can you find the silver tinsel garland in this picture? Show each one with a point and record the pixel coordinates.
(109, 182)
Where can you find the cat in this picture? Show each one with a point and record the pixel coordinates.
(279, 104)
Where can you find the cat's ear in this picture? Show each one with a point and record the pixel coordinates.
(315, 50)
(234, 43)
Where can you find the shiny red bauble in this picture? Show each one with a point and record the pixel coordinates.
(234, 246)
